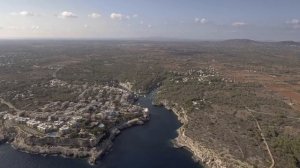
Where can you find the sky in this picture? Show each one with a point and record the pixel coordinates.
(264, 20)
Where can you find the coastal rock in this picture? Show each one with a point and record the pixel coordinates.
(92, 154)
(75, 148)
(2, 139)
(209, 157)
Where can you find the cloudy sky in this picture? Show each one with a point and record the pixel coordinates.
(175, 19)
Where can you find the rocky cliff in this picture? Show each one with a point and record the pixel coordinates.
(2, 139)
(67, 147)
(205, 155)
(21, 142)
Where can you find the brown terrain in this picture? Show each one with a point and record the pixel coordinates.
(238, 100)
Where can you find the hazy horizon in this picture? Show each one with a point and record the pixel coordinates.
(149, 39)
(200, 20)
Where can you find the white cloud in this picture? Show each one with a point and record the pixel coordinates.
(34, 27)
(119, 16)
(149, 26)
(22, 13)
(202, 20)
(135, 16)
(238, 24)
(94, 15)
(67, 14)
(295, 23)
(86, 26)
(26, 13)
(128, 17)
(116, 16)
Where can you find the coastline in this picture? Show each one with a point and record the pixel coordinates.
(92, 151)
(208, 157)
(92, 154)
(2, 139)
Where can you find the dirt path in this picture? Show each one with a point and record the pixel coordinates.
(54, 75)
(263, 137)
(9, 105)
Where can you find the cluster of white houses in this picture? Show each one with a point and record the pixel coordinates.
(61, 127)
(200, 75)
(59, 118)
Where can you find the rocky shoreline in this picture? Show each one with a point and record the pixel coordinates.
(92, 154)
(2, 139)
(205, 156)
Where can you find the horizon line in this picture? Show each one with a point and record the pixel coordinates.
(158, 39)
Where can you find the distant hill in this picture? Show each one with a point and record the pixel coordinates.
(248, 42)
(240, 41)
(290, 43)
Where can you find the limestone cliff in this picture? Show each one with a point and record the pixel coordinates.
(205, 155)
(75, 148)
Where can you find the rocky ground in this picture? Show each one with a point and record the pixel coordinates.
(225, 123)
(203, 154)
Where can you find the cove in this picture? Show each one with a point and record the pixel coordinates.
(147, 146)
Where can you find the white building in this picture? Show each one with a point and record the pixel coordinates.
(33, 123)
(21, 120)
(58, 123)
(146, 110)
(45, 128)
(64, 129)
(101, 125)
(72, 123)
(3, 113)
(8, 117)
(77, 118)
